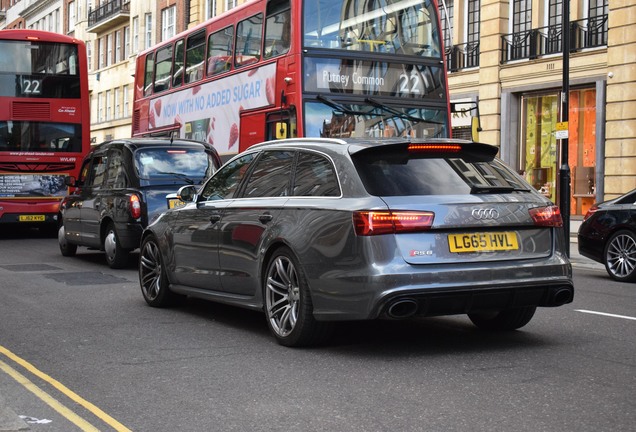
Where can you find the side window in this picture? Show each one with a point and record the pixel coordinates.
(195, 56)
(220, 51)
(150, 73)
(277, 29)
(116, 178)
(226, 181)
(84, 174)
(315, 176)
(177, 74)
(163, 70)
(98, 172)
(248, 41)
(271, 175)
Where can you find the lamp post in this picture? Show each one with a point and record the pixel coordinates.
(564, 171)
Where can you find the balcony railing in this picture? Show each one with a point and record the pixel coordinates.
(530, 44)
(108, 10)
(462, 56)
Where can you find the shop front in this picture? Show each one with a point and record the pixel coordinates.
(539, 151)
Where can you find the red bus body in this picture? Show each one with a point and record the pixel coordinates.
(273, 69)
(44, 122)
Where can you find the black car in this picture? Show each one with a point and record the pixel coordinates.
(608, 235)
(123, 186)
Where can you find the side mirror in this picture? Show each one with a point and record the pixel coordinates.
(187, 193)
(70, 181)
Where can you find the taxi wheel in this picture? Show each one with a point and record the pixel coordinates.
(505, 320)
(116, 256)
(67, 249)
(152, 276)
(288, 305)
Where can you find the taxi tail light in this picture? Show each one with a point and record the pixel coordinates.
(549, 216)
(368, 223)
(590, 212)
(134, 204)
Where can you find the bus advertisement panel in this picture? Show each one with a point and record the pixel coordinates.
(44, 122)
(290, 68)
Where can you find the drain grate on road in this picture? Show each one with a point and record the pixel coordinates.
(85, 278)
(29, 267)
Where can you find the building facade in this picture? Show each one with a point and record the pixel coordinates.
(508, 57)
(505, 55)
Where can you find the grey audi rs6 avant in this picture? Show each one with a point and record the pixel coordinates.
(315, 231)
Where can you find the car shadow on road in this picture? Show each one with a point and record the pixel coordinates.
(423, 336)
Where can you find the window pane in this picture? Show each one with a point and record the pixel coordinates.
(271, 175)
(315, 176)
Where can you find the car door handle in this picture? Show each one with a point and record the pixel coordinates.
(215, 218)
(265, 217)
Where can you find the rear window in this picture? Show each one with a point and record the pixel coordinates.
(162, 163)
(398, 172)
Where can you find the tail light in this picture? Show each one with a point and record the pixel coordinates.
(547, 216)
(590, 212)
(368, 223)
(134, 204)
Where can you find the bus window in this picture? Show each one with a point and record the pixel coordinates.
(148, 77)
(163, 70)
(248, 41)
(177, 74)
(220, 51)
(195, 55)
(277, 29)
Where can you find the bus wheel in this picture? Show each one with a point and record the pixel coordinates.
(67, 249)
(116, 256)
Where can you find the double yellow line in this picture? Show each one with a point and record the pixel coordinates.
(52, 402)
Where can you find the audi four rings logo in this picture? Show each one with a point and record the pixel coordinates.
(483, 214)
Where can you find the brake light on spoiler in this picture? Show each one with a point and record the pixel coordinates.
(368, 223)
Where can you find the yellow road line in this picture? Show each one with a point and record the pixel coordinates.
(70, 415)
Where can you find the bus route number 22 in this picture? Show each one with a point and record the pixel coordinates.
(31, 86)
(411, 83)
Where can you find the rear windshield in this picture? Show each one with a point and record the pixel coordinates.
(399, 173)
(161, 163)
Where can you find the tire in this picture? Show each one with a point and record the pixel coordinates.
(152, 276)
(116, 256)
(288, 305)
(67, 249)
(620, 256)
(505, 320)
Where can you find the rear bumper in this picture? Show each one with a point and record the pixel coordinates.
(129, 235)
(443, 290)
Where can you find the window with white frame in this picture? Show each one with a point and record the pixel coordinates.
(118, 46)
(117, 104)
(168, 22)
(101, 54)
(100, 107)
(109, 49)
(125, 101)
(148, 22)
(108, 105)
(71, 16)
(135, 30)
(229, 4)
(210, 9)
(126, 42)
(89, 54)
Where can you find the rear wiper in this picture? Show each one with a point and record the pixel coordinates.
(399, 113)
(184, 177)
(479, 189)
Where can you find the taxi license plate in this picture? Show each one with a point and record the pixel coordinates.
(174, 203)
(483, 242)
(32, 218)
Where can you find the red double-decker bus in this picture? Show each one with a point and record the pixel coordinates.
(44, 122)
(290, 68)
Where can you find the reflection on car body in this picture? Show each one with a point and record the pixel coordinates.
(313, 231)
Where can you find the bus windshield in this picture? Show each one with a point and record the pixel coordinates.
(405, 27)
(40, 137)
(39, 70)
(324, 118)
